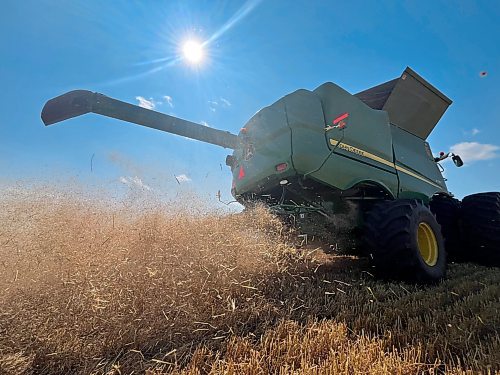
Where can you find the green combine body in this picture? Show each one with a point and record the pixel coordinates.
(368, 153)
(326, 160)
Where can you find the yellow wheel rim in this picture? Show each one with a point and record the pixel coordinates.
(427, 244)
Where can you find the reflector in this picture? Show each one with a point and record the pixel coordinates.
(281, 167)
(241, 174)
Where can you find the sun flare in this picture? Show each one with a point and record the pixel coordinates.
(193, 51)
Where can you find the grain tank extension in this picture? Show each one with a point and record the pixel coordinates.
(328, 161)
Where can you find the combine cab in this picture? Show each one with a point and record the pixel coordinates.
(328, 161)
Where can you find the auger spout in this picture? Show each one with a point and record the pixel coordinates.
(78, 102)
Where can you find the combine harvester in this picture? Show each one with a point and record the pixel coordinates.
(323, 157)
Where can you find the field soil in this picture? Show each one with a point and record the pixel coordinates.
(93, 285)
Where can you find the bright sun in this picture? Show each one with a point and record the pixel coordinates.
(193, 51)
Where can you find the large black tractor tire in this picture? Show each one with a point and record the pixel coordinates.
(447, 211)
(481, 227)
(404, 242)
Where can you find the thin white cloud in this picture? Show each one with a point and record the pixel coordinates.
(475, 131)
(134, 182)
(145, 103)
(212, 105)
(474, 151)
(168, 100)
(182, 178)
(138, 182)
(221, 102)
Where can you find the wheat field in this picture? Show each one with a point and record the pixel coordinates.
(93, 285)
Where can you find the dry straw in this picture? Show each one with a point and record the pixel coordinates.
(93, 286)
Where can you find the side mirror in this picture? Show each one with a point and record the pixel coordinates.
(457, 160)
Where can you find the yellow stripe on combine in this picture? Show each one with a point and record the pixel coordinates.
(360, 152)
(404, 170)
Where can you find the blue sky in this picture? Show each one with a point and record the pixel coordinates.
(259, 51)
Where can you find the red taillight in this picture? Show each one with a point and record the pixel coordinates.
(241, 174)
(281, 167)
